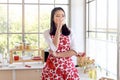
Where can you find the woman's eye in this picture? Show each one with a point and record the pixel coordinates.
(60, 15)
(57, 16)
(63, 15)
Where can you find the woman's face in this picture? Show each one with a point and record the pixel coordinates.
(59, 16)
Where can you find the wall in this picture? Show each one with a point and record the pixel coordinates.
(78, 23)
(118, 46)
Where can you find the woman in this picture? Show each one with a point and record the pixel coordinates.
(59, 65)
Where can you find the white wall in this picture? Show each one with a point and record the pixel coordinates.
(78, 23)
(118, 49)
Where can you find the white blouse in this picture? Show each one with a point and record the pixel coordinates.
(54, 48)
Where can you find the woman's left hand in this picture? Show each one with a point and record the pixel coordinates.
(81, 54)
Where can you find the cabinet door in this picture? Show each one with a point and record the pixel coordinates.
(5, 74)
(34, 74)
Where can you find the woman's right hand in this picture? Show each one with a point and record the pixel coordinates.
(60, 23)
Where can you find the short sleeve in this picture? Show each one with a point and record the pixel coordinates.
(73, 44)
(49, 41)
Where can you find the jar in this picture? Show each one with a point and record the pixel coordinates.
(16, 57)
(27, 46)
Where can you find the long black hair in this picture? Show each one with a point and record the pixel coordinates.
(65, 30)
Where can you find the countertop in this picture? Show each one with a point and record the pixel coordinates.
(40, 65)
(37, 65)
(21, 65)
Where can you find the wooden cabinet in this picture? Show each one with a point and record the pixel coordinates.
(40, 51)
(21, 74)
(34, 74)
(6, 75)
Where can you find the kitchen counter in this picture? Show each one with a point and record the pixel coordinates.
(32, 71)
(21, 71)
(28, 69)
(21, 65)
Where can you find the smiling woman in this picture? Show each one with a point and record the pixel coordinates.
(59, 64)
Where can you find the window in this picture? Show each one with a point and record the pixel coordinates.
(101, 33)
(25, 21)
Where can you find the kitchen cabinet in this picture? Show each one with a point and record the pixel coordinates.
(21, 74)
(6, 75)
(30, 74)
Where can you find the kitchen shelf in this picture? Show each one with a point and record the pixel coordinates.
(40, 50)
